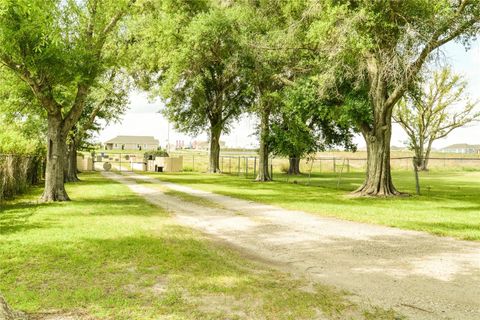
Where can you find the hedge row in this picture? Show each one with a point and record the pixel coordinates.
(17, 173)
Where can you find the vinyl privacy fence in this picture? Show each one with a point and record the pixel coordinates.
(18, 172)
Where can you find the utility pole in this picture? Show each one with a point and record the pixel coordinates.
(168, 137)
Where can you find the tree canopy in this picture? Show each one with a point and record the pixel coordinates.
(59, 49)
(306, 124)
(375, 51)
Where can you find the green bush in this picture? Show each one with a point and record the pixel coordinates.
(151, 155)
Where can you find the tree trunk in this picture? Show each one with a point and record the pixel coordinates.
(418, 161)
(378, 180)
(215, 132)
(263, 170)
(54, 173)
(426, 157)
(71, 162)
(294, 167)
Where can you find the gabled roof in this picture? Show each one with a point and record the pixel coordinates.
(134, 140)
(462, 146)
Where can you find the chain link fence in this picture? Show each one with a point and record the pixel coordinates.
(18, 172)
(345, 173)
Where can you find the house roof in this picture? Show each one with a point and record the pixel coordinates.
(134, 139)
(462, 146)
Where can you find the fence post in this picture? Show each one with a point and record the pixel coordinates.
(417, 183)
(246, 167)
(222, 163)
(238, 165)
(254, 167)
(348, 165)
(334, 165)
(271, 169)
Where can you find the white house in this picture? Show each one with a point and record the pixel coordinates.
(132, 143)
(462, 148)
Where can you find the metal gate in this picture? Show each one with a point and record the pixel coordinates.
(109, 161)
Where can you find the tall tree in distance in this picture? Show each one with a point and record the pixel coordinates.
(59, 49)
(203, 75)
(275, 35)
(432, 112)
(305, 124)
(377, 49)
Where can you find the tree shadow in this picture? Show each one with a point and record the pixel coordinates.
(103, 274)
(16, 217)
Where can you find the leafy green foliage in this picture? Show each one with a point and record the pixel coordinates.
(14, 141)
(151, 155)
(307, 124)
(205, 83)
(21, 118)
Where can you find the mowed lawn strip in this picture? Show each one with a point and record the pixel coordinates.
(448, 206)
(109, 254)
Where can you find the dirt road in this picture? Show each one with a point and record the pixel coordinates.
(420, 275)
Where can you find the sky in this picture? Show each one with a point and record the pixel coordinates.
(143, 117)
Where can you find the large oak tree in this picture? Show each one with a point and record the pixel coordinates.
(376, 50)
(199, 68)
(59, 49)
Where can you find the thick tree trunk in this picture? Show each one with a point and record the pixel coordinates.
(378, 180)
(263, 170)
(294, 165)
(54, 173)
(71, 162)
(215, 133)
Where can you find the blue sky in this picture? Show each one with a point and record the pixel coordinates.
(143, 117)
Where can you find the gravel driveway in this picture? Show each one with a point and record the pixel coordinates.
(420, 275)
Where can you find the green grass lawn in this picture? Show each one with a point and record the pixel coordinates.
(449, 204)
(108, 254)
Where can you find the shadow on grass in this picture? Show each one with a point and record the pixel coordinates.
(15, 217)
(172, 274)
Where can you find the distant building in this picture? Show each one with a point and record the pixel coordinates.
(204, 145)
(462, 148)
(179, 144)
(132, 143)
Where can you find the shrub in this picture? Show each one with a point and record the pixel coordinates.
(151, 155)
